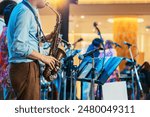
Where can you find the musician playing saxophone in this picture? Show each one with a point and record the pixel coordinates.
(24, 53)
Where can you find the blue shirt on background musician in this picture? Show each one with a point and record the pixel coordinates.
(22, 34)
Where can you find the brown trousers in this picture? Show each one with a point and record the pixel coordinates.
(25, 79)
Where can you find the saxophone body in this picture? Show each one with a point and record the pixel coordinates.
(56, 52)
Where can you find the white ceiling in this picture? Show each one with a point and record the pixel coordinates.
(99, 14)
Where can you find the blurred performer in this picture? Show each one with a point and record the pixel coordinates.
(7, 90)
(127, 71)
(110, 52)
(145, 69)
(24, 53)
(96, 43)
(3, 4)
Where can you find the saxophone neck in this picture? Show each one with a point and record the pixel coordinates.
(58, 20)
(55, 11)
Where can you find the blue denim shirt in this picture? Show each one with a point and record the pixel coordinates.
(22, 34)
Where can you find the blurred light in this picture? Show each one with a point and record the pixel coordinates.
(99, 23)
(82, 17)
(77, 25)
(147, 30)
(111, 20)
(140, 20)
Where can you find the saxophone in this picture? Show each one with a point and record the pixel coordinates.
(51, 74)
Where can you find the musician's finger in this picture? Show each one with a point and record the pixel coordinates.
(52, 58)
(57, 60)
(50, 66)
(53, 61)
(53, 65)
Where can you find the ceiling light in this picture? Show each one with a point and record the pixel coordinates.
(111, 20)
(82, 17)
(140, 20)
(147, 30)
(77, 25)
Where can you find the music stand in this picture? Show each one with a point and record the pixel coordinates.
(110, 66)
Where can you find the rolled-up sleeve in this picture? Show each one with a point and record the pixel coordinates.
(20, 44)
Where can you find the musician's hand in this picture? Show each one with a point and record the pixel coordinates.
(49, 60)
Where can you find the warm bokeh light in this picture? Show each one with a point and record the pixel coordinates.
(125, 29)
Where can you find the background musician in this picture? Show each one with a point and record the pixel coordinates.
(110, 52)
(96, 43)
(6, 7)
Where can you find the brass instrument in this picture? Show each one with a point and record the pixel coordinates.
(55, 51)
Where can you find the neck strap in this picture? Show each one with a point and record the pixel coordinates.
(35, 16)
